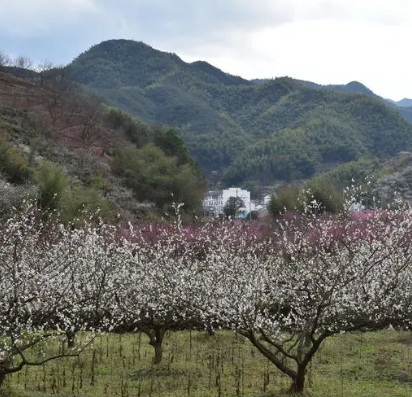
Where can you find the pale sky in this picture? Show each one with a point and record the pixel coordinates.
(324, 41)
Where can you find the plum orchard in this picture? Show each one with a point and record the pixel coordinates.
(286, 287)
(316, 276)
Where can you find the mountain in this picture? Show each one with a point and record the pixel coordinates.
(405, 103)
(353, 87)
(245, 131)
(404, 107)
(406, 113)
(137, 64)
(61, 144)
(358, 88)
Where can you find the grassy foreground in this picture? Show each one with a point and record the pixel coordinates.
(225, 365)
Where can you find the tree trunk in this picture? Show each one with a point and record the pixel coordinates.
(298, 383)
(298, 375)
(71, 339)
(210, 330)
(3, 375)
(158, 353)
(156, 341)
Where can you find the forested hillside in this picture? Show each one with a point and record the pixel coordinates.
(65, 147)
(403, 107)
(277, 130)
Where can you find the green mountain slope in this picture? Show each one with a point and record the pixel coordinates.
(403, 107)
(63, 145)
(265, 131)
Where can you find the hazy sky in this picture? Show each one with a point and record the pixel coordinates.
(325, 41)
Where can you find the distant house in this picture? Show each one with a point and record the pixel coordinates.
(215, 200)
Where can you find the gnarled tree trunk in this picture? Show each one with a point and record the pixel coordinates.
(156, 340)
(277, 354)
(71, 339)
(3, 375)
(298, 383)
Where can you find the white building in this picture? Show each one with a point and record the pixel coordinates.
(215, 201)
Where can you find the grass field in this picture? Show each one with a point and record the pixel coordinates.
(225, 365)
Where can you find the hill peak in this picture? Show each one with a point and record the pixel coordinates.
(122, 63)
(358, 87)
(116, 49)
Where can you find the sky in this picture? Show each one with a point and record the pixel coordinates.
(324, 41)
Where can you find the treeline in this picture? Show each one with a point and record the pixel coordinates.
(330, 191)
(158, 167)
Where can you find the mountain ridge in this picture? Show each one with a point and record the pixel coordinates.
(229, 122)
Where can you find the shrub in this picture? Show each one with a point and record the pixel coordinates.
(52, 183)
(13, 166)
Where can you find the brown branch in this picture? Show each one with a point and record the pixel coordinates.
(270, 356)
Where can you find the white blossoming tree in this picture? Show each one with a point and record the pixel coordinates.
(308, 277)
(316, 276)
(155, 285)
(93, 256)
(49, 287)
